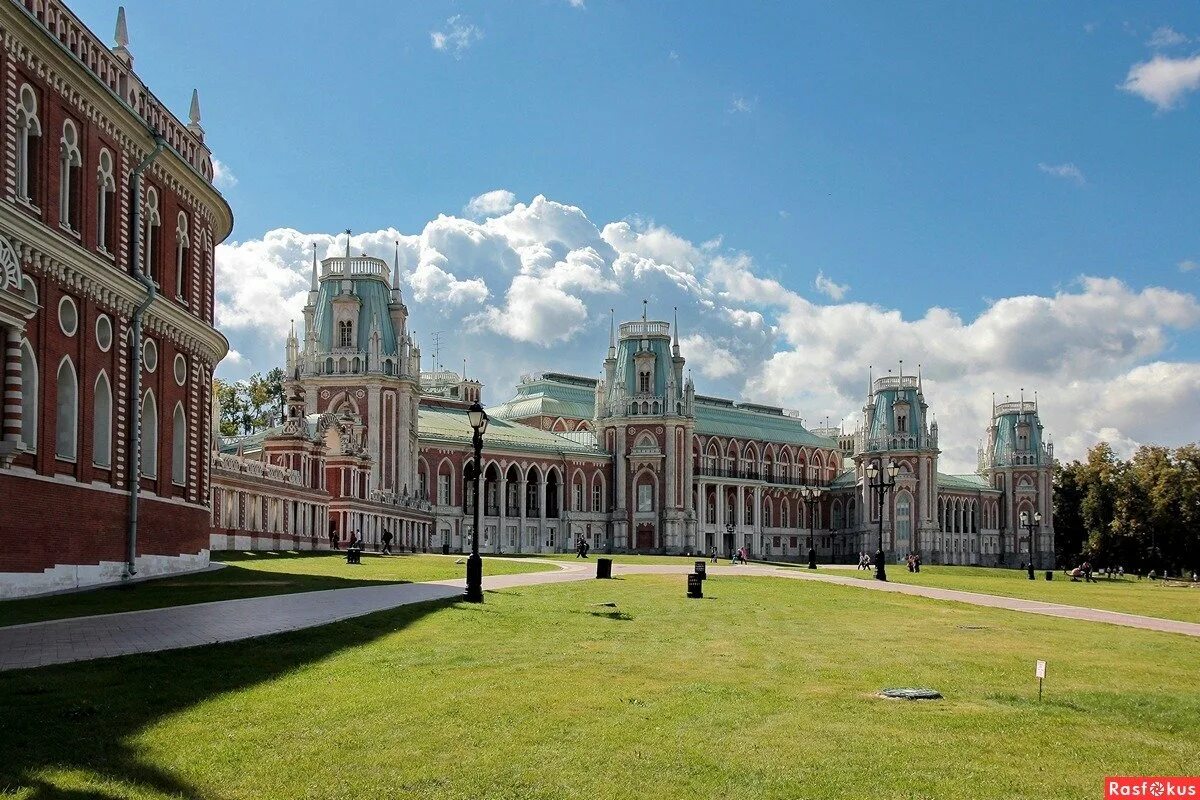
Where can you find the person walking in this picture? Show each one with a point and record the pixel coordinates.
(713, 554)
(387, 542)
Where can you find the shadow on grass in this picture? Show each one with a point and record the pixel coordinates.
(233, 582)
(81, 719)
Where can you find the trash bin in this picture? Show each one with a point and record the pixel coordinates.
(446, 549)
(695, 585)
(1049, 574)
(603, 567)
(701, 571)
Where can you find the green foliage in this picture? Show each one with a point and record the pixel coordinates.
(251, 405)
(1143, 513)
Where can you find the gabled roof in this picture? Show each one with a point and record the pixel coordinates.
(451, 426)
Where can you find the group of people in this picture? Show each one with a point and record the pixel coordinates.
(914, 562)
(582, 547)
(864, 561)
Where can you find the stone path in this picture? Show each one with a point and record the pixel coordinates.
(82, 638)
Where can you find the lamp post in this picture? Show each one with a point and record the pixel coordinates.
(1030, 525)
(810, 494)
(732, 542)
(883, 485)
(479, 420)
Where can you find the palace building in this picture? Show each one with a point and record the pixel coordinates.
(633, 461)
(108, 220)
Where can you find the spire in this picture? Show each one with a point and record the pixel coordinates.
(1035, 401)
(313, 287)
(675, 344)
(194, 116)
(644, 310)
(396, 268)
(121, 38)
(870, 381)
(346, 266)
(901, 384)
(920, 384)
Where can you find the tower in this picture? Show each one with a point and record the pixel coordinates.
(359, 363)
(897, 428)
(645, 417)
(1018, 461)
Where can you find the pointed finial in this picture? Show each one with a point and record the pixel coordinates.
(346, 266)
(313, 287)
(612, 327)
(645, 303)
(396, 268)
(902, 371)
(870, 380)
(121, 38)
(920, 384)
(676, 326)
(464, 369)
(1035, 401)
(194, 116)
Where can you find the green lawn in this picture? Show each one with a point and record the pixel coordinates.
(764, 689)
(1129, 595)
(251, 575)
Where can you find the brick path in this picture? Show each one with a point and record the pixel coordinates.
(82, 638)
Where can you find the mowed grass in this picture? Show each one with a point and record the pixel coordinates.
(1129, 595)
(764, 689)
(252, 575)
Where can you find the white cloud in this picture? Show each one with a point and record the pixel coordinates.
(576, 3)
(673, 56)
(490, 204)
(1166, 36)
(1188, 265)
(458, 36)
(742, 105)
(223, 177)
(530, 289)
(826, 286)
(1163, 81)
(1068, 171)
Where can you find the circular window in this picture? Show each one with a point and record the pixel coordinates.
(104, 333)
(180, 369)
(150, 355)
(68, 316)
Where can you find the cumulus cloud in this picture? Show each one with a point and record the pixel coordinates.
(223, 177)
(458, 36)
(1166, 36)
(1068, 171)
(490, 204)
(529, 289)
(1163, 81)
(826, 286)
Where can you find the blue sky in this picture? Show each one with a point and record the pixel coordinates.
(926, 156)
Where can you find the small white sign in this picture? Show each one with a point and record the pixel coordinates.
(1041, 669)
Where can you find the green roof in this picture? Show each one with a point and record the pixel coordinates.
(552, 395)
(717, 417)
(970, 483)
(375, 298)
(450, 425)
(845, 480)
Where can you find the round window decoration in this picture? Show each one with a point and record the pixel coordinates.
(150, 355)
(180, 369)
(104, 332)
(68, 316)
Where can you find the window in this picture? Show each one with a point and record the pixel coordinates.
(29, 397)
(66, 425)
(345, 334)
(29, 132)
(106, 215)
(104, 332)
(443, 490)
(70, 167)
(149, 436)
(645, 497)
(68, 316)
(597, 497)
(150, 355)
(182, 246)
(577, 497)
(180, 369)
(152, 234)
(179, 446)
(644, 382)
(902, 423)
(102, 427)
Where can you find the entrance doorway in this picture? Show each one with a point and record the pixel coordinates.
(729, 544)
(645, 537)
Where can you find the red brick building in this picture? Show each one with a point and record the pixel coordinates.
(108, 221)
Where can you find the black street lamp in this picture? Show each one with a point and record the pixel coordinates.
(479, 421)
(1030, 525)
(810, 494)
(883, 485)
(732, 542)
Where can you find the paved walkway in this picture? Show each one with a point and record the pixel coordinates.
(39, 644)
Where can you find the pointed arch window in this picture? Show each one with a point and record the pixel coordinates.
(29, 137)
(66, 426)
(345, 334)
(182, 250)
(149, 436)
(29, 397)
(179, 446)
(69, 183)
(152, 235)
(106, 208)
(102, 427)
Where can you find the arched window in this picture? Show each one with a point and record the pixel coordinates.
(149, 436)
(66, 426)
(29, 132)
(345, 334)
(29, 397)
(102, 427)
(70, 167)
(152, 234)
(783, 515)
(182, 248)
(904, 523)
(106, 208)
(178, 446)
